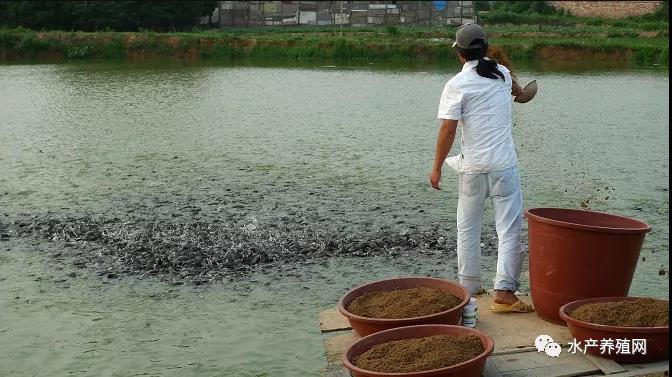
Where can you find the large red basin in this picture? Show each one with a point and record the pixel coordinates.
(657, 339)
(577, 254)
(469, 368)
(365, 326)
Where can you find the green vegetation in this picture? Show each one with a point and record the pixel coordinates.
(104, 15)
(482, 5)
(641, 40)
(525, 27)
(541, 14)
(526, 7)
(398, 44)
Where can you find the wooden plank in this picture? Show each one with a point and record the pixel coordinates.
(334, 346)
(490, 371)
(656, 374)
(635, 374)
(333, 320)
(335, 372)
(606, 366)
(535, 364)
(513, 331)
(515, 350)
(660, 368)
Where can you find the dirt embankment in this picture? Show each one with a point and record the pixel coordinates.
(556, 53)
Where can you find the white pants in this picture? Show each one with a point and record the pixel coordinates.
(503, 188)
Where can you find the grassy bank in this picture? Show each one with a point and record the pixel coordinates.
(425, 44)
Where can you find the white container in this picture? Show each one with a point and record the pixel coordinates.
(470, 313)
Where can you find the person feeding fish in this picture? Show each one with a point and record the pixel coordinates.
(479, 99)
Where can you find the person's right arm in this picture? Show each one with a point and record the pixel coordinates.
(444, 143)
(450, 112)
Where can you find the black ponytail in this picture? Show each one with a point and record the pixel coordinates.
(488, 68)
(485, 67)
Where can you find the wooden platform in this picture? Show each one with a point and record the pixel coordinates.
(514, 355)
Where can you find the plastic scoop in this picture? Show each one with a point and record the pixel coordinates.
(529, 91)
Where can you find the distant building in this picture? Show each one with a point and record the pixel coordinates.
(350, 13)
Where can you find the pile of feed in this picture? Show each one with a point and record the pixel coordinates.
(421, 354)
(403, 303)
(639, 312)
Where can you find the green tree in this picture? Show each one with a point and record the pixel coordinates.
(663, 12)
(482, 5)
(99, 15)
(539, 7)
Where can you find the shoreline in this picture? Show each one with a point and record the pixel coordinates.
(426, 46)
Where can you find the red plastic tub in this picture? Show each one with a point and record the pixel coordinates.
(656, 338)
(577, 254)
(365, 326)
(469, 368)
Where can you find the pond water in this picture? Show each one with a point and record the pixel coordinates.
(263, 156)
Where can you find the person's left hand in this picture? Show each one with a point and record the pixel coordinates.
(435, 178)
